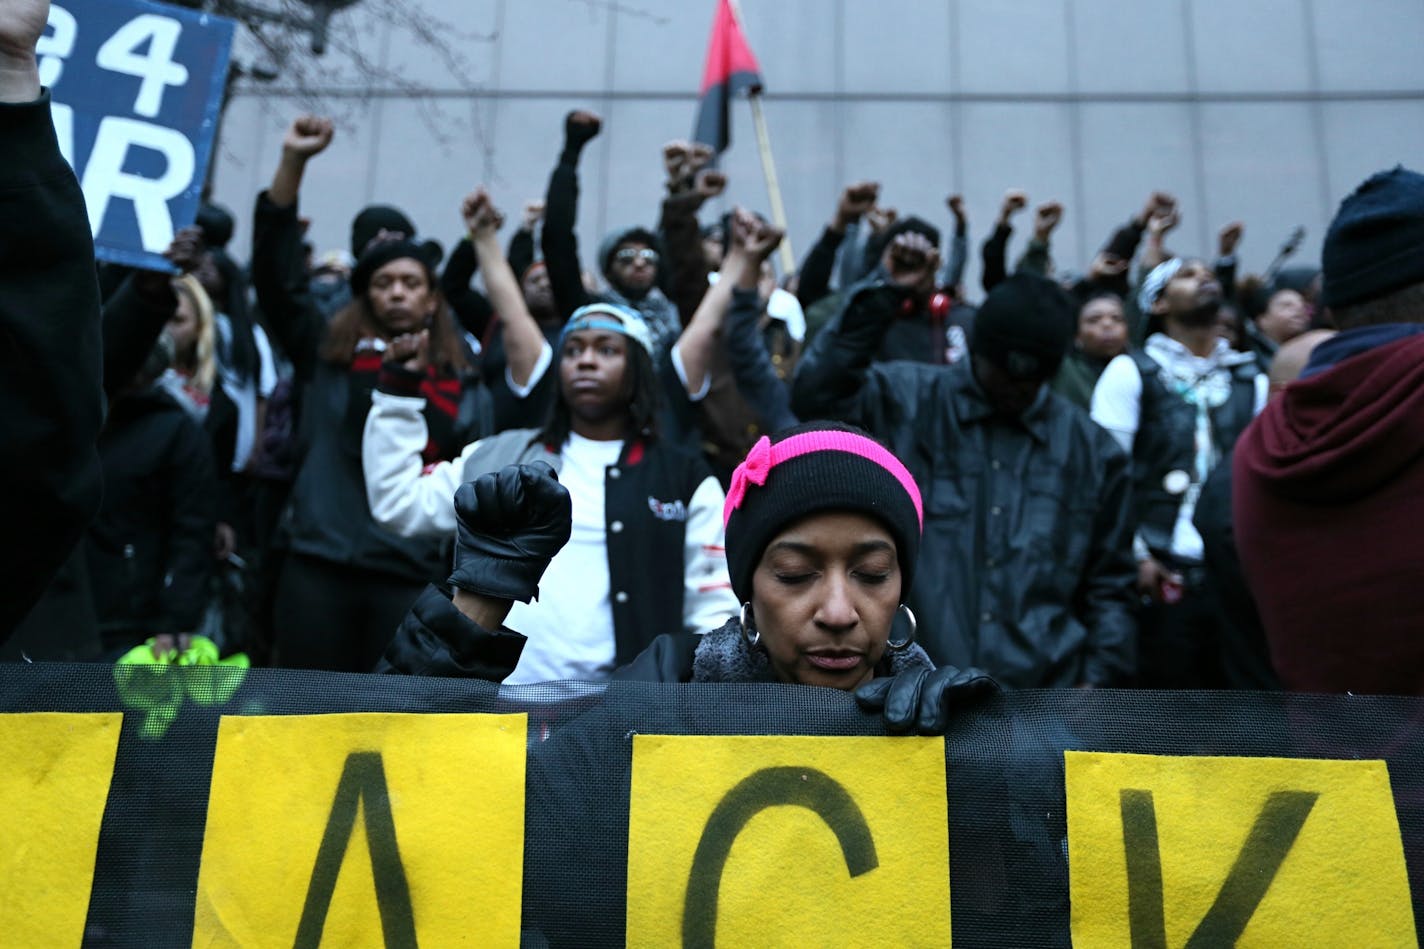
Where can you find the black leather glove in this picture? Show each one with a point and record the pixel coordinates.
(511, 523)
(920, 699)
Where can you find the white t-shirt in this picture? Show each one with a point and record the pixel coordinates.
(570, 628)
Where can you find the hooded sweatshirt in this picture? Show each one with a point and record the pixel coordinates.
(1329, 498)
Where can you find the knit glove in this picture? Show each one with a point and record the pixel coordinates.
(921, 699)
(510, 524)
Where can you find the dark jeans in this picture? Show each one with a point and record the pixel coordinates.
(337, 618)
(1179, 644)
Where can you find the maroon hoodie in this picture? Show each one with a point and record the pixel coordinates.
(1329, 506)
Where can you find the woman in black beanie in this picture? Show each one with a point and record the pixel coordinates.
(822, 533)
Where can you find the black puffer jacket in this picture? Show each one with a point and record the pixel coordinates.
(1026, 567)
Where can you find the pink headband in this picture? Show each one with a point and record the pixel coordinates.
(764, 456)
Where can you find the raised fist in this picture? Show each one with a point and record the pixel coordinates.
(912, 263)
(881, 219)
(1158, 202)
(756, 237)
(1163, 221)
(1014, 202)
(307, 136)
(1046, 218)
(479, 213)
(709, 183)
(855, 201)
(1229, 237)
(21, 26)
(581, 127)
(510, 524)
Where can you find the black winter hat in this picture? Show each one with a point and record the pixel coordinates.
(1024, 326)
(216, 223)
(1375, 245)
(374, 219)
(382, 252)
(816, 467)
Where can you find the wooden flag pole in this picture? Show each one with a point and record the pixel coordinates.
(773, 190)
(768, 165)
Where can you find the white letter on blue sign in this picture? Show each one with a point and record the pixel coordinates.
(156, 67)
(53, 48)
(105, 178)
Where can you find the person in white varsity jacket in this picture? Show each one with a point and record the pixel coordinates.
(646, 555)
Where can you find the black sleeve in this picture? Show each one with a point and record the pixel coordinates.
(1226, 276)
(192, 520)
(51, 362)
(520, 252)
(280, 282)
(557, 238)
(831, 376)
(436, 639)
(815, 274)
(471, 307)
(1125, 240)
(751, 366)
(686, 269)
(993, 253)
(668, 658)
(133, 317)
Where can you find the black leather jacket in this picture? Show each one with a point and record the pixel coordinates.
(1026, 567)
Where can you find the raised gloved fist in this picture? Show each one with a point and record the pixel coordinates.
(921, 700)
(511, 522)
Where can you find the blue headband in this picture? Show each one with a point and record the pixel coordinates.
(603, 316)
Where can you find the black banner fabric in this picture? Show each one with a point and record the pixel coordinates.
(149, 806)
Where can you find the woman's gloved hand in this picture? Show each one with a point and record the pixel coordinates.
(511, 522)
(920, 699)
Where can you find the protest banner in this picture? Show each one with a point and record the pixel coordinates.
(137, 88)
(220, 806)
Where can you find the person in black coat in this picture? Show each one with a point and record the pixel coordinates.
(150, 550)
(346, 582)
(50, 354)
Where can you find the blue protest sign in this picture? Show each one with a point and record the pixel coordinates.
(136, 87)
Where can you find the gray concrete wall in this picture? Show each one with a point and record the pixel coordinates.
(1269, 111)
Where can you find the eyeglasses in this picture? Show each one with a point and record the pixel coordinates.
(629, 254)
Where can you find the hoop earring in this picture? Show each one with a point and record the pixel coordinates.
(749, 632)
(909, 618)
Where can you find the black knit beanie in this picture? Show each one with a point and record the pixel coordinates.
(815, 467)
(1024, 326)
(1375, 245)
(371, 220)
(382, 252)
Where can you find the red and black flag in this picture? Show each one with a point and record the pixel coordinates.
(731, 69)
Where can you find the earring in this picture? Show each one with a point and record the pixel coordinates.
(909, 618)
(749, 632)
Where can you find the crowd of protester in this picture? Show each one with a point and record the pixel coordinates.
(293, 445)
